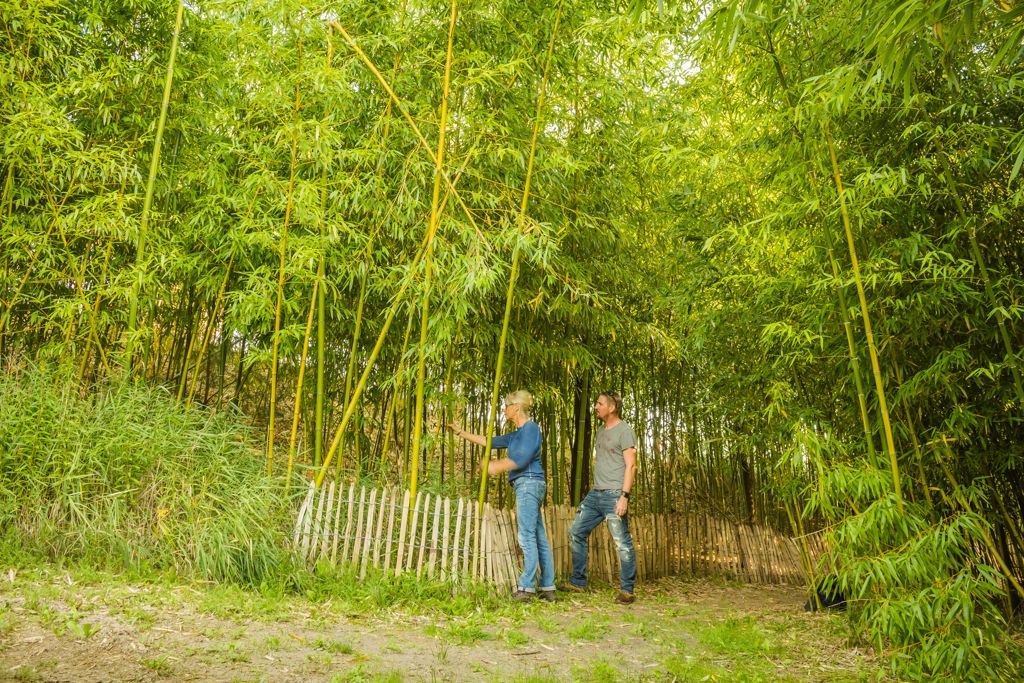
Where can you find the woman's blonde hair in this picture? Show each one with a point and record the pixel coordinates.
(521, 398)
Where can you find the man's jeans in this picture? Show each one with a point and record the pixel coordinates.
(532, 537)
(597, 507)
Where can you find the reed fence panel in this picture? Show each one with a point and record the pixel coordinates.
(454, 540)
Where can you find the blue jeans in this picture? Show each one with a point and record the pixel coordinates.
(597, 507)
(532, 537)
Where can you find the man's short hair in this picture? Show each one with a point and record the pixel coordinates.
(614, 398)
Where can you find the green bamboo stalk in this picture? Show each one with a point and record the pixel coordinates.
(350, 408)
(355, 344)
(209, 332)
(958, 494)
(94, 316)
(972, 237)
(298, 387)
(516, 258)
(280, 274)
(434, 218)
(321, 361)
(405, 114)
(147, 204)
(872, 351)
(389, 427)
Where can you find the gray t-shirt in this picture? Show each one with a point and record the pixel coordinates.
(609, 465)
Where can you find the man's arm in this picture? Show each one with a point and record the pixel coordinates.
(629, 456)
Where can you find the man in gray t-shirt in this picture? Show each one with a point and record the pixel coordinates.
(608, 500)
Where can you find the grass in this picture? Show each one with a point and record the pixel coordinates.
(160, 665)
(132, 481)
(334, 647)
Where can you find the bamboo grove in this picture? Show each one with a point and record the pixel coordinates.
(788, 232)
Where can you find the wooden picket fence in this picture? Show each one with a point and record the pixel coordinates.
(453, 541)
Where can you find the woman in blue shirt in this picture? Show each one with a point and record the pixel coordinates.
(526, 475)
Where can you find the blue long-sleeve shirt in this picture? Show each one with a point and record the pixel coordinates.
(523, 449)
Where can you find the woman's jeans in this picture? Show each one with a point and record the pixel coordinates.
(597, 507)
(532, 537)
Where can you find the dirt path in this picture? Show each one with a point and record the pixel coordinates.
(62, 628)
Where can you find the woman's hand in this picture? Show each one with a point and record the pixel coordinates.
(454, 428)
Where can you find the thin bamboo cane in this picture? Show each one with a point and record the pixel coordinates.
(147, 202)
(517, 255)
(280, 275)
(434, 218)
(872, 351)
(368, 536)
(987, 281)
(352, 351)
(209, 333)
(350, 408)
(298, 387)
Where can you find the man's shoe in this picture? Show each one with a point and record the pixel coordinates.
(573, 588)
(547, 596)
(625, 598)
(523, 596)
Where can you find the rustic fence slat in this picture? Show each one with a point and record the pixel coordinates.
(318, 525)
(456, 540)
(357, 541)
(423, 535)
(378, 538)
(444, 540)
(401, 535)
(305, 521)
(432, 556)
(301, 519)
(348, 521)
(371, 507)
(325, 531)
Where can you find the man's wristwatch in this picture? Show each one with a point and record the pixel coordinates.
(625, 494)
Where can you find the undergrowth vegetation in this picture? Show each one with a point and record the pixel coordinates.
(123, 475)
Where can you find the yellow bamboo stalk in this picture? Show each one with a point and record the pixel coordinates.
(434, 217)
(872, 351)
(147, 203)
(355, 342)
(298, 387)
(209, 332)
(516, 258)
(405, 114)
(350, 409)
(280, 274)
